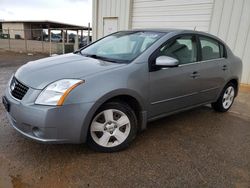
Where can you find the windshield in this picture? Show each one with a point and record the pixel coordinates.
(122, 46)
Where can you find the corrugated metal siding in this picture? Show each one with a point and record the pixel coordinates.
(231, 22)
(228, 19)
(187, 14)
(110, 8)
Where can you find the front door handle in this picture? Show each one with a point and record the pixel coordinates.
(194, 75)
(224, 68)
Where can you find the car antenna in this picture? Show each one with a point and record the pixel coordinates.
(195, 28)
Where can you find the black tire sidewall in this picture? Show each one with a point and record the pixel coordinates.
(126, 109)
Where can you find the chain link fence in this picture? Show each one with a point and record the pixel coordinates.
(56, 41)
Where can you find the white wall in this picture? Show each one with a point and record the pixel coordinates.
(102, 9)
(231, 22)
(14, 29)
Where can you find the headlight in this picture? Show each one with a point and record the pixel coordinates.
(55, 93)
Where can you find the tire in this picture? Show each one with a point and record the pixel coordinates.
(113, 127)
(226, 99)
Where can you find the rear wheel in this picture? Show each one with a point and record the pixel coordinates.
(113, 127)
(226, 98)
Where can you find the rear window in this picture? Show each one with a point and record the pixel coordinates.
(211, 49)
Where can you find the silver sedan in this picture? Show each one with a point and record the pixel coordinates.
(104, 93)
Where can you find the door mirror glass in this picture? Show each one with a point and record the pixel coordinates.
(166, 61)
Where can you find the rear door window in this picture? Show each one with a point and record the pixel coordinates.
(210, 49)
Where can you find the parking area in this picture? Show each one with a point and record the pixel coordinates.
(197, 148)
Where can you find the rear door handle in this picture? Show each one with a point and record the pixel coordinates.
(224, 68)
(194, 75)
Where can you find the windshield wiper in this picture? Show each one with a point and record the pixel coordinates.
(104, 58)
(92, 56)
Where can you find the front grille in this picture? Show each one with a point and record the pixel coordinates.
(17, 89)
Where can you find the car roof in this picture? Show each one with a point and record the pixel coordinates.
(179, 31)
(167, 30)
(172, 30)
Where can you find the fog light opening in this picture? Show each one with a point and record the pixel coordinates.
(37, 132)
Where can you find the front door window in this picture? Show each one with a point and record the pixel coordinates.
(183, 48)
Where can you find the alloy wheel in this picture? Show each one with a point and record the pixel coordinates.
(110, 128)
(228, 97)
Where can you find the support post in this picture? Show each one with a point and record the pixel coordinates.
(81, 35)
(63, 41)
(50, 50)
(88, 39)
(25, 41)
(76, 46)
(42, 40)
(67, 36)
(9, 37)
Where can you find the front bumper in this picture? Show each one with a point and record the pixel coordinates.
(48, 124)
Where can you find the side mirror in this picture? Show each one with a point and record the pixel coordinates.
(166, 61)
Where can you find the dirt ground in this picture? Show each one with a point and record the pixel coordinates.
(197, 148)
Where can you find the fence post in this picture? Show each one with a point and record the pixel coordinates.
(9, 37)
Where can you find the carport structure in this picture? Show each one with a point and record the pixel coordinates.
(32, 29)
(63, 27)
(42, 31)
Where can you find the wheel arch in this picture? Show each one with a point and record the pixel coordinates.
(235, 81)
(124, 95)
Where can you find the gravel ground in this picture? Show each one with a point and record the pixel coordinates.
(197, 148)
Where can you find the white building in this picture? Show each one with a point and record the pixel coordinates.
(228, 19)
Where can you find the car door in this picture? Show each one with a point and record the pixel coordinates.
(213, 68)
(175, 88)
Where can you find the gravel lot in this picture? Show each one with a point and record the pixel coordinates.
(197, 148)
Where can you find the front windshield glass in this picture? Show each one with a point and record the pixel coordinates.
(122, 46)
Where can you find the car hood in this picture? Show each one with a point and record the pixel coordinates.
(38, 74)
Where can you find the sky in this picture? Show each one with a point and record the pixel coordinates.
(78, 12)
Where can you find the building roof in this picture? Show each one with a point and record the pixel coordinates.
(45, 24)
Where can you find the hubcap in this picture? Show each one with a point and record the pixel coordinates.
(228, 97)
(110, 128)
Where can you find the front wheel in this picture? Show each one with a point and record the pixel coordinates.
(226, 98)
(113, 127)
